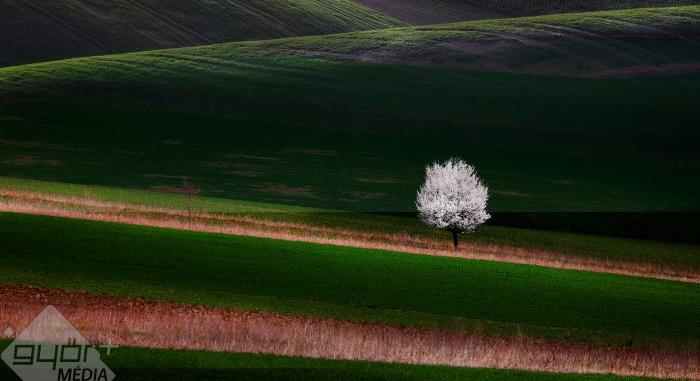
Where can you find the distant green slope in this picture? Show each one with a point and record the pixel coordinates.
(300, 121)
(591, 44)
(422, 12)
(40, 30)
(354, 136)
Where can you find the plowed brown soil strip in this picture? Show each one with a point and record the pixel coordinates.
(142, 323)
(96, 210)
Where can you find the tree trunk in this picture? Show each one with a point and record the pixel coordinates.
(455, 238)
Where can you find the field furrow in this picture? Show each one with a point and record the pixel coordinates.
(142, 323)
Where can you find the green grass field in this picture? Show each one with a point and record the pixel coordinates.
(342, 282)
(128, 364)
(35, 31)
(635, 40)
(579, 115)
(665, 254)
(425, 12)
(540, 143)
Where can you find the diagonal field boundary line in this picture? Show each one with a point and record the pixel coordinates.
(95, 210)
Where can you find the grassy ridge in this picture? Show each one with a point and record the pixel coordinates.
(421, 12)
(665, 254)
(356, 135)
(535, 7)
(367, 285)
(593, 43)
(128, 364)
(424, 12)
(47, 30)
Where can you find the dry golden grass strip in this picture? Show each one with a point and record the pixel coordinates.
(97, 210)
(137, 322)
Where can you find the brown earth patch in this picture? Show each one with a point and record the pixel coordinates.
(144, 323)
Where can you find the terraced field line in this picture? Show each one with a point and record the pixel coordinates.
(142, 323)
(96, 210)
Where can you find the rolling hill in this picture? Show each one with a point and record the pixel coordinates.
(579, 44)
(40, 30)
(422, 12)
(309, 121)
(307, 126)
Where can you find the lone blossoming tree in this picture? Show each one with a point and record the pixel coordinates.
(452, 198)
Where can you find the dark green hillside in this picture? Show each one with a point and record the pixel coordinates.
(40, 30)
(612, 43)
(244, 121)
(423, 12)
(540, 7)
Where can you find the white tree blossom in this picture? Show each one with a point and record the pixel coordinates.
(452, 198)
